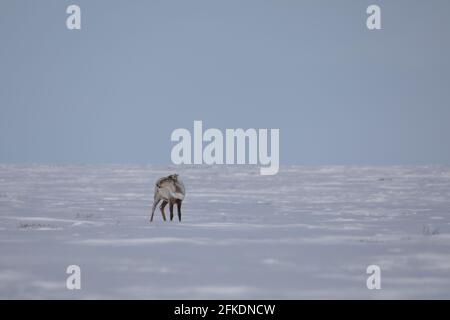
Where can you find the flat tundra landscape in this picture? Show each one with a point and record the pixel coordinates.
(307, 232)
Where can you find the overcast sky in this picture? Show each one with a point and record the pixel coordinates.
(114, 91)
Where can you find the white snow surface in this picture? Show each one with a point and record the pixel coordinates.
(308, 232)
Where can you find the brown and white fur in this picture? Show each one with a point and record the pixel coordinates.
(170, 190)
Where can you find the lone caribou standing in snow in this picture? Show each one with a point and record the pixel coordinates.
(170, 190)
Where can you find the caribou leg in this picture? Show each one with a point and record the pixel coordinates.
(155, 203)
(179, 209)
(161, 207)
(171, 210)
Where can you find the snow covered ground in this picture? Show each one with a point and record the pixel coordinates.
(308, 232)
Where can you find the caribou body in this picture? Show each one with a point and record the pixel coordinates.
(170, 190)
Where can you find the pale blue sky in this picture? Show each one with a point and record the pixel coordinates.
(114, 91)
